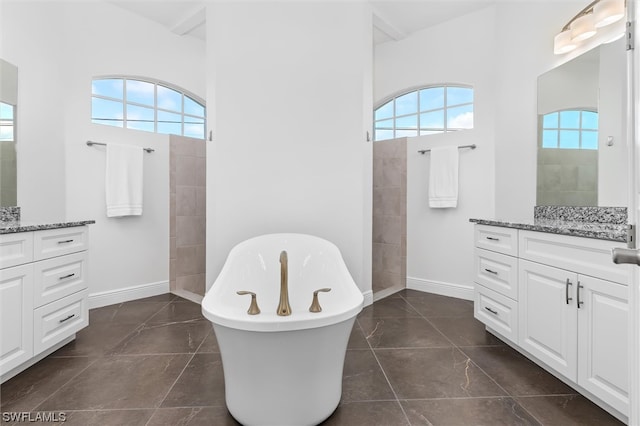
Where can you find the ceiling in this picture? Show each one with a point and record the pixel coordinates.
(393, 19)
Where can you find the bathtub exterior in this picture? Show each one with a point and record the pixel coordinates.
(283, 370)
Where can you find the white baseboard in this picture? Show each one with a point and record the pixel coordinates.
(104, 298)
(368, 297)
(437, 287)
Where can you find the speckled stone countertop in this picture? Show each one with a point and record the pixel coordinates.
(13, 226)
(601, 231)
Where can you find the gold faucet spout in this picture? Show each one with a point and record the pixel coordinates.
(284, 308)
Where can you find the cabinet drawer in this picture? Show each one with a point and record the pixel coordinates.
(497, 272)
(586, 256)
(58, 320)
(497, 312)
(16, 249)
(56, 242)
(59, 277)
(16, 317)
(498, 239)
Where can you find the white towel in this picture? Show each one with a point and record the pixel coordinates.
(124, 180)
(443, 177)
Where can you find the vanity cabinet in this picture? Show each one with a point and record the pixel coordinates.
(569, 311)
(43, 293)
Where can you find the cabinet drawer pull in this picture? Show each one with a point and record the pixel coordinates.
(493, 311)
(580, 302)
(493, 239)
(66, 276)
(65, 241)
(67, 318)
(566, 291)
(490, 271)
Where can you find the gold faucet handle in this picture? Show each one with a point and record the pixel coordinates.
(315, 305)
(253, 308)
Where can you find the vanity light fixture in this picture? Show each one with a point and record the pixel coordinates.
(586, 24)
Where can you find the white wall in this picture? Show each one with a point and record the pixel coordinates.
(291, 110)
(440, 241)
(75, 42)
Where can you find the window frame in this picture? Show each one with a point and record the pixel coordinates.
(419, 129)
(125, 102)
(581, 130)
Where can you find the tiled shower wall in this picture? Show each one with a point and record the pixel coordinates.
(389, 216)
(187, 217)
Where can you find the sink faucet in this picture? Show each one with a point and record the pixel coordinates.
(284, 308)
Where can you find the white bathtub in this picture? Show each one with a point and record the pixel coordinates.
(283, 370)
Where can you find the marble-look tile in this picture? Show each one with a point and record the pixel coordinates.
(567, 410)
(30, 388)
(164, 338)
(435, 373)
(433, 305)
(210, 343)
(187, 260)
(200, 384)
(500, 411)
(177, 312)
(392, 169)
(404, 332)
(388, 307)
(193, 416)
(515, 373)
(96, 340)
(185, 200)
(201, 201)
(201, 172)
(363, 379)
(465, 331)
(391, 258)
(125, 313)
(190, 230)
(186, 170)
(357, 339)
(374, 413)
(192, 283)
(107, 418)
(201, 148)
(119, 382)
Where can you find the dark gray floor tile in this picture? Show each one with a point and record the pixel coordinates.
(434, 373)
(363, 379)
(125, 313)
(465, 331)
(515, 373)
(96, 340)
(357, 339)
(385, 308)
(119, 382)
(567, 410)
(166, 297)
(408, 332)
(30, 388)
(502, 411)
(434, 305)
(200, 384)
(164, 338)
(196, 416)
(107, 418)
(378, 413)
(177, 312)
(210, 343)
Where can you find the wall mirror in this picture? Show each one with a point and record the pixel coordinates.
(8, 139)
(582, 147)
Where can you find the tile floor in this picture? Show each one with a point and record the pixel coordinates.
(413, 359)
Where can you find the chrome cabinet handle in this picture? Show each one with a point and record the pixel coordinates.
(490, 271)
(493, 239)
(493, 311)
(566, 291)
(315, 304)
(580, 302)
(65, 241)
(66, 276)
(253, 307)
(67, 318)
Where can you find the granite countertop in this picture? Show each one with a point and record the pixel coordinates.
(14, 226)
(600, 231)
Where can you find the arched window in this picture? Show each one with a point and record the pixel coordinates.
(426, 111)
(570, 129)
(148, 105)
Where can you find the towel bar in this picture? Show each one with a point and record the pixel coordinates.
(472, 146)
(89, 143)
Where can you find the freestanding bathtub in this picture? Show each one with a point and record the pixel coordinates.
(283, 370)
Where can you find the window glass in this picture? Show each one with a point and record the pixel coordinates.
(590, 120)
(432, 120)
(407, 122)
(550, 120)
(110, 113)
(140, 118)
(570, 129)
(108, 87)
(140, 92)
(459, 95)
(550, 139)
(407, 104)
(589, 140)
(194, 127)
(460, 117)
(385, 111)
(570, 119)
(169, 122)
(6, 122)
(431, 98)
(570, 139)
(192, 107)
(382, 134)
(169, 99)
(406, 133)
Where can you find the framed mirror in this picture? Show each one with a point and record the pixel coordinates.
(582, 151)
(8, 136)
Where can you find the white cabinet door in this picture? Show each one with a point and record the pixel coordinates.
(548, 321)
(603, 320)
(16, 316)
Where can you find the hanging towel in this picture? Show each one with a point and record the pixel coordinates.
(443, 177)
(124, 180)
